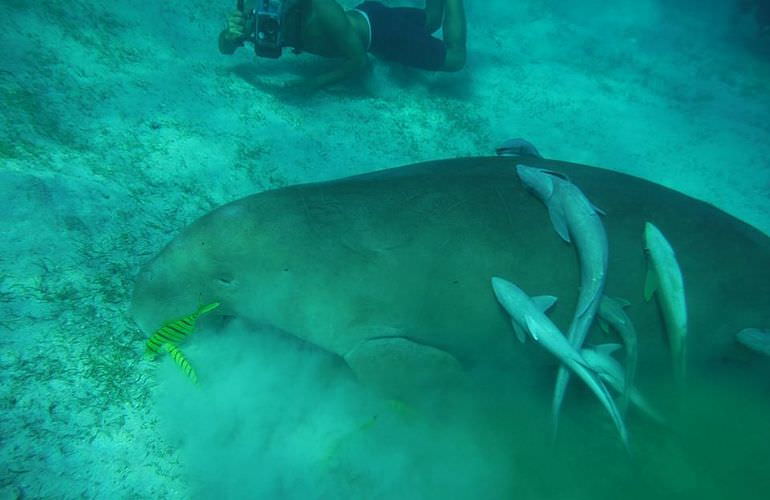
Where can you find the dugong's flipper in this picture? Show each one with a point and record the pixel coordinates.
(517, 147)
(400, 368)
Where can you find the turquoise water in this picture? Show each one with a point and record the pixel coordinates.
(121, 123)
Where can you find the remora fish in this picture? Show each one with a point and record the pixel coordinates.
(525, 313)
(574, 218)
(517, 147)
(665, 277)
(755, 339)
(600, 360)
(611, 314)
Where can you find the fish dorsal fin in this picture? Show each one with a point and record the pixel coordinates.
(611, 310)
(544, 302)
(650, 283)
(533, 328)
(181, 361)
(558, 219)
(519, 331)
(607, 349)
(620, 301)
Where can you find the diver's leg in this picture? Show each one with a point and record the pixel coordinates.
(434, 14)
(454, 35)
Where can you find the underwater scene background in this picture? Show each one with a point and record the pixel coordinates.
(121, 124)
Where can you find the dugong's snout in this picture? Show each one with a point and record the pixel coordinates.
(166, 289)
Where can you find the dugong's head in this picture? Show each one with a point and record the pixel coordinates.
(229, 256)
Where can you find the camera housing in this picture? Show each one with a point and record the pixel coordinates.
(268, 35)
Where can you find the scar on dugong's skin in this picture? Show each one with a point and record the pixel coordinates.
(391, 269)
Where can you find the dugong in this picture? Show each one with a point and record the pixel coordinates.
(390, 270)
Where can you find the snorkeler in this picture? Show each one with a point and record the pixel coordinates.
(324, 28)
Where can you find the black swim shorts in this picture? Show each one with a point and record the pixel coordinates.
(398, 34)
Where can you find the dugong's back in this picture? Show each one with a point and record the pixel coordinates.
(404, 252)
(410, 251)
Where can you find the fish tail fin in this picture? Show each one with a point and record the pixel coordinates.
(594, 383)
(181, 361)
(560, 389)
(630, 379)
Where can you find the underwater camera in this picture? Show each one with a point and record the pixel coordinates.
(269, 32)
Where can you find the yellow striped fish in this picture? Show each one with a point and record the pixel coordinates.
(175, 331)
(180, 360)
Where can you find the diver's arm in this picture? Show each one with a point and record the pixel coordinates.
(454, 35)
(227, 45)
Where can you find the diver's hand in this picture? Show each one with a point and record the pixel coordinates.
(235, 29)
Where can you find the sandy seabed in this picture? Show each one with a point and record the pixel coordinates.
(121, 123)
